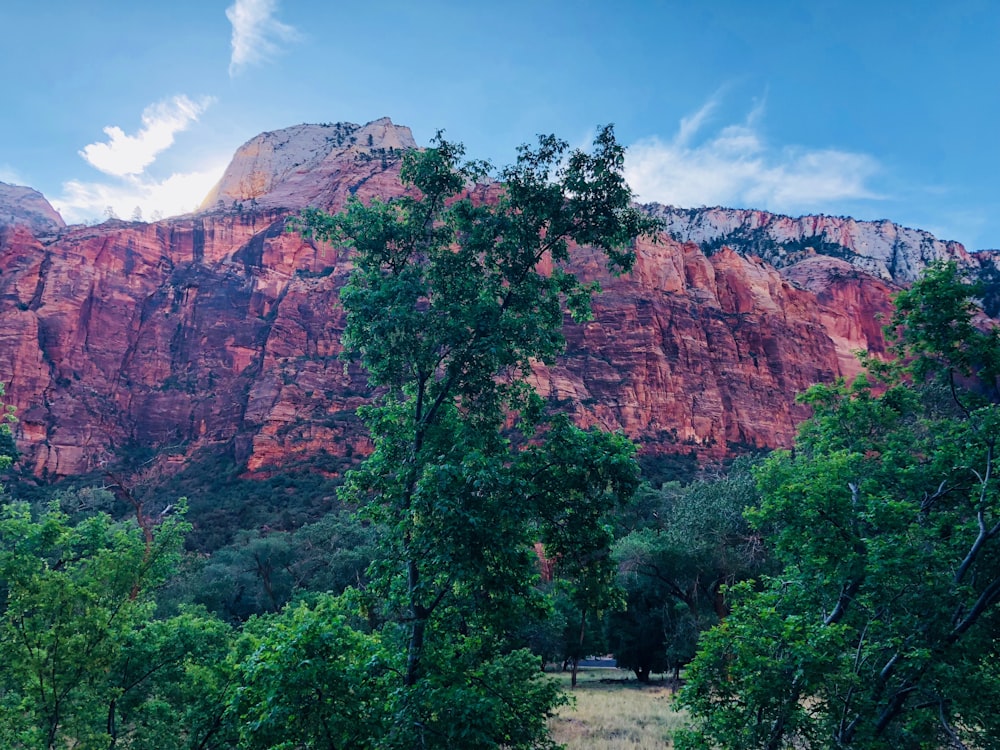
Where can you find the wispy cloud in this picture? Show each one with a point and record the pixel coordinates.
(691, 124)
(734, 166)
(257, 34)
(124, 154)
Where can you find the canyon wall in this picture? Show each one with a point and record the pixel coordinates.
(220, 329)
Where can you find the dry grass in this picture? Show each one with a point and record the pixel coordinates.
(616, 716)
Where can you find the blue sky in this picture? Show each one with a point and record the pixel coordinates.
(876, 109)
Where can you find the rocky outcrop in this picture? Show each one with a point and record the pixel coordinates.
(221, 329)
(22, 206)
(293, 167)
(880, 248)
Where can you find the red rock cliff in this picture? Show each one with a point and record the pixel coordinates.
(222, 329)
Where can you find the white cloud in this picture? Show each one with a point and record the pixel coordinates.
(257, 34)
(177, 194)
(125, 154)
(735, 167)
(126, 157)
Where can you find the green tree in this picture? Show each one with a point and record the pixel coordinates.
(453, 296)
(70, 595)
(262, 570)
(8, 449)
(637, 634)
(310, 679)
(171, 683)
(694, 542)
(85, 662)
(880, 630)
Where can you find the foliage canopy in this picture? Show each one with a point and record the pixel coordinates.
(880, 630)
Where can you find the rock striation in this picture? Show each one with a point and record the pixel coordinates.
(220, 330)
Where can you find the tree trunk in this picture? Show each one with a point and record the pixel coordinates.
(576, 659)
(112, 725)
(417, 629)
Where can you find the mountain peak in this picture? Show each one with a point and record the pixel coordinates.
(285, 168)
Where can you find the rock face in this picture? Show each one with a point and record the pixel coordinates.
(25, 207)
(705, 354)
(881, 248)
(221, 330)
(292, 168)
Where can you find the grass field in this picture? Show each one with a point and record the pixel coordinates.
(615, 715)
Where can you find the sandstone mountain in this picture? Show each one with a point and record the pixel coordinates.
(220, 330)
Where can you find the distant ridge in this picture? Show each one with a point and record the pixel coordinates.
(882, 248)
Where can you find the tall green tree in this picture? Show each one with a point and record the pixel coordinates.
(880, 630)
(456, 291)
